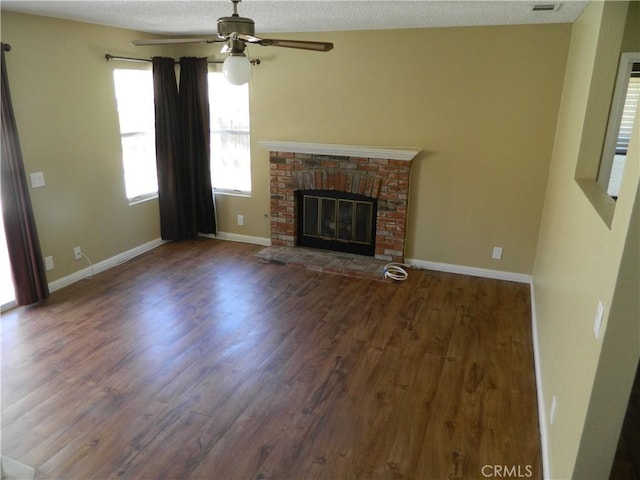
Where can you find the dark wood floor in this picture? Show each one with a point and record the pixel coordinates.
(195, 361)
(626, 464)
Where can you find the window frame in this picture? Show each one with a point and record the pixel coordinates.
(625, 69)
(144, 197)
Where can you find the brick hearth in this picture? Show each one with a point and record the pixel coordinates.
(298, 166)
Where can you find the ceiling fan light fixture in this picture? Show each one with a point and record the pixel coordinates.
(237, 69)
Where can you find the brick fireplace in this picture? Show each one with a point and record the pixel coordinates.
(377, 172)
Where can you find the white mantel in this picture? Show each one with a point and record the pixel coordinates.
(392, 153)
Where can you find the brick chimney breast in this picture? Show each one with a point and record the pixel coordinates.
(378, 172)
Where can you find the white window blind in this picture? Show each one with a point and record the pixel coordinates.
(628, 114)
(624, 107)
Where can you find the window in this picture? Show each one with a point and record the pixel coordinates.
(619, 130)
(230, 140)
(624, 133)
(134, 96)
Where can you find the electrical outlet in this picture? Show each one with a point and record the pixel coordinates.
(597, 323)
(240, 219)
(552, 412)
(37, 180)
(77, 253)
(48, 263)
(497, 253)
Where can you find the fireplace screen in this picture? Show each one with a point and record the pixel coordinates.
(337, 221)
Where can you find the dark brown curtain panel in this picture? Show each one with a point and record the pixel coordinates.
(168, 149)
(25, 256)
(194, 104)
(182, 148)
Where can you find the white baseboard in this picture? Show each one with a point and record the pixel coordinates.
(12, 469)
(542, 410)
(236, 237)
(104, 265)
(134, 252)
(473, 271)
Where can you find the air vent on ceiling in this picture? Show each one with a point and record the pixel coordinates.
(546, 7)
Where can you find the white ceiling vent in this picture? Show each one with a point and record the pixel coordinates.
(546, 7)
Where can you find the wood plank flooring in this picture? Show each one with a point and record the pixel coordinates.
(196, 361)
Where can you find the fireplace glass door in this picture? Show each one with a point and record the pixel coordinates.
(337, 221)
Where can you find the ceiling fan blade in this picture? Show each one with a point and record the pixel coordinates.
(301, 44)
(271, 42)
(246, 38)
(174, 41)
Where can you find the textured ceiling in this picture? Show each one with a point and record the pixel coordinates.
(172, 17)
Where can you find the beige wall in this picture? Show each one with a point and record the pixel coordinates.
(481, 102)
(578, 263)
(64, 101)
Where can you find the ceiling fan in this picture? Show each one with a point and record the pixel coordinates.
(236, 32)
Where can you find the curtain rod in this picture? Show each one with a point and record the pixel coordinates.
(6, 47)
(110, 57)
